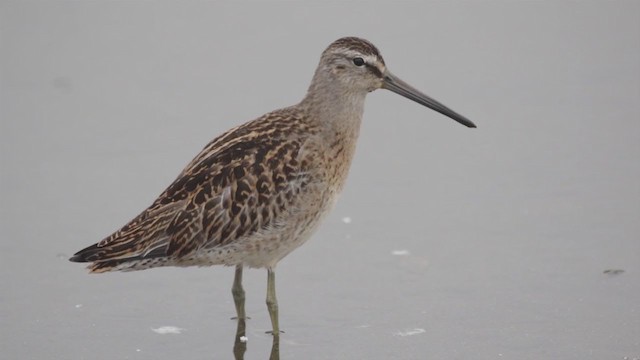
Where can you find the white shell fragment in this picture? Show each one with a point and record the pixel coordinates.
(415, 331)
(400, 252)
(168, 330)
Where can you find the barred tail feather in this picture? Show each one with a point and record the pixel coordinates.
(127, 264)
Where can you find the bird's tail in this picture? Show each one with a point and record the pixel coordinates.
(105, 259)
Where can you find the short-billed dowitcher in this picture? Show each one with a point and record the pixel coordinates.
(258, 191)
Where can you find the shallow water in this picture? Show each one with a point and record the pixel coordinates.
(516, 240)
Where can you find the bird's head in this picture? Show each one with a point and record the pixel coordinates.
(358, 66)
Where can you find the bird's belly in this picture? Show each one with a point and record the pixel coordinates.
(268, 246)
(265, 247)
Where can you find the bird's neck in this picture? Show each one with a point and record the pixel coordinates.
(336, 108)
(337, 113)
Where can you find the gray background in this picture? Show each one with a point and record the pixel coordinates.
(509, 227)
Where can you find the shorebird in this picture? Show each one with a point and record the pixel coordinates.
(258, 191)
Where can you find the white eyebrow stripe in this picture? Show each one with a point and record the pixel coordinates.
(368, 58)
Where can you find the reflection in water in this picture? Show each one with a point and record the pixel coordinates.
(275, 348)
(240, 344)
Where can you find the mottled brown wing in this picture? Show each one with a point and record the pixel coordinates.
(234, 193)
(240, 182)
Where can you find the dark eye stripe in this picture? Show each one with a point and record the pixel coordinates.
(374, 69)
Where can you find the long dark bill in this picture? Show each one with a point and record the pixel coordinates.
(391, 82)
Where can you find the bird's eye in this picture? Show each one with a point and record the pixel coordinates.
(358, 61)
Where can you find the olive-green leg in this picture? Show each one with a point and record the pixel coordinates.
(238, 294)
(272, 302)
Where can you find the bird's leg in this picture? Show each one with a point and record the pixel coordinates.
(238, 294)
(272, 302)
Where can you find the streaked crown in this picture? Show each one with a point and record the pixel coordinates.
(353, 44)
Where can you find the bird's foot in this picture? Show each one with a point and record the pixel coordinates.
(274, 333)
